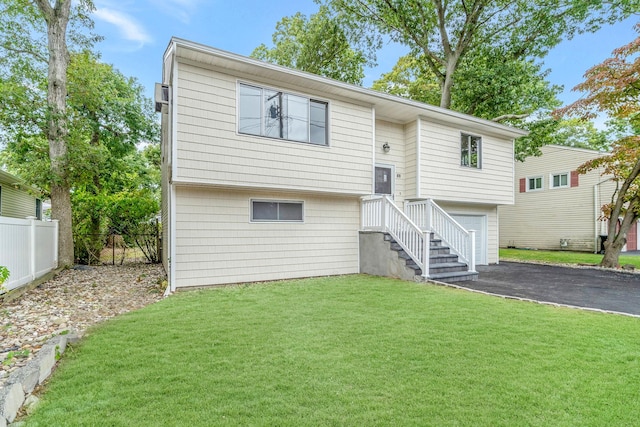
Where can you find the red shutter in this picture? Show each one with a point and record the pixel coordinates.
(523, 185)
(574, 179)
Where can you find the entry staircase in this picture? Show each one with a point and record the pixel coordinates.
(430, 241)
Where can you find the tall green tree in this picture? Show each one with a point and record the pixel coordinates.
(515, 92)
(35, 35)
(318, 45)
(613, 87)
(114, 181)
(441, 33)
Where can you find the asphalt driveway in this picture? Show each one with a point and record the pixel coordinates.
(582, 287)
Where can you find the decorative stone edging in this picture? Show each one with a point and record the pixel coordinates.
(21, 383)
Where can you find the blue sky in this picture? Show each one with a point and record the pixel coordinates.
(137, 33)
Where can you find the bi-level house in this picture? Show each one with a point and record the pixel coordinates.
(273, 173)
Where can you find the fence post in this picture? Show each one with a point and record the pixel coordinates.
(55, 242)
(32, 248)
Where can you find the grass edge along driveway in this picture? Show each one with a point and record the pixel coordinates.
(350, 350)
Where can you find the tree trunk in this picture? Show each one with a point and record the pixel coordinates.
(612, 252)
(447, 83)
(57, 18)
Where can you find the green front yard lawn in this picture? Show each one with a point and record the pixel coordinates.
(562, 257)
(349, 351)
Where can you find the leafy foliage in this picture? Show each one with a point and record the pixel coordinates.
(441, 33)
(614, 87)
(317, 45)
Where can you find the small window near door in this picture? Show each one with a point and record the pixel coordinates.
(384, 180)
(276, 211)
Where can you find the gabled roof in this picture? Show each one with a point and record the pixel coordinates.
(389, 107)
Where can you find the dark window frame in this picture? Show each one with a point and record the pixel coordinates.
(276, 114)
(470, 157)
(280, 214)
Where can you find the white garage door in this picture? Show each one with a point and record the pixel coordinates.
(479, 224)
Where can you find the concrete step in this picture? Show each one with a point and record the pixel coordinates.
(442, 258)
(458, 276)
(447, 267)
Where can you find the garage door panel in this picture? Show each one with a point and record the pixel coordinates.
(479, 224)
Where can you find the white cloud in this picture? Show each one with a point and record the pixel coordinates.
(180, 9)
(129, 28)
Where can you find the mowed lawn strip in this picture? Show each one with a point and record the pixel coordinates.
(351, 350)
(563, 257)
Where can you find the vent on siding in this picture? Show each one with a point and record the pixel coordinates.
(162, 96)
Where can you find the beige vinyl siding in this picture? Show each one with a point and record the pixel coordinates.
(210, 151)
(539, 219)
(16, 203)
(393, 134)
(216, 243)
(443, 178)
(490, 212)
(409, 177)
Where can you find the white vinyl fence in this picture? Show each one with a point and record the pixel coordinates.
(28, 248)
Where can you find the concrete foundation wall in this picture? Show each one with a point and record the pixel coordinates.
(377, 258)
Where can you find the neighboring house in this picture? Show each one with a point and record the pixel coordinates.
(266, 170)
(555, 207)
(17, 199)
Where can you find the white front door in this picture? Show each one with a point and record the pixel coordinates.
(479, 224)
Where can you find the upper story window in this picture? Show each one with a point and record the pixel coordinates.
(471, 151)
(277, 114)
(534, 183)
(560, 180)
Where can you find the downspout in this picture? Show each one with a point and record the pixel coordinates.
(597, 205)
(174, 167)
(373, 150)
(418, 138)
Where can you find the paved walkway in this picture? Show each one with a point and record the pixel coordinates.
(582, 287)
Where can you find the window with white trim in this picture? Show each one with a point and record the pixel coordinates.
(534, 183)
(277, 211)
(560, 180)
(471, 151)
(281, 115)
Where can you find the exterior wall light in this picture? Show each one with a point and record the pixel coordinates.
(386, 147)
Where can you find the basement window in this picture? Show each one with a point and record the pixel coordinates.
(276, 211)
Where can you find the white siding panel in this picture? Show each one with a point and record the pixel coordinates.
(211, 151)
(443, 178)
(393, 134)
(539, 219)
(216, 242)
(16, 203)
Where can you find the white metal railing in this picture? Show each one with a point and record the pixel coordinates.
(381, 214)
(28, 248)
(430, 217)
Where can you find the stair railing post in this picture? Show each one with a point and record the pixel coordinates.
(426, 245)
(428, 214)
(383, 213)
(472, 250)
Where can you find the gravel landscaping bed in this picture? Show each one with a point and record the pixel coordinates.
(73, 301)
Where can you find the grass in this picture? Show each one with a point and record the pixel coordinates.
(562, 257)
(353, 350)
